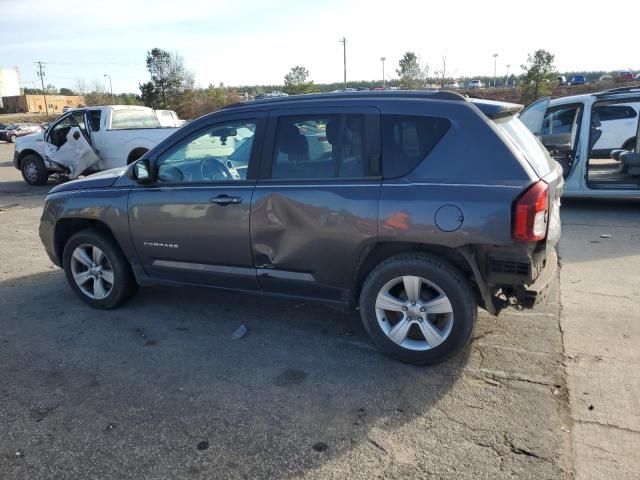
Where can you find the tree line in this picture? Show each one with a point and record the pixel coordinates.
(171, 84)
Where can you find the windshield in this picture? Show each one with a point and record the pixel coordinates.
(13, 126)
(527, 143)
(134, 118)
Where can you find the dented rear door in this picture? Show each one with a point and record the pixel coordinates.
(315, 205)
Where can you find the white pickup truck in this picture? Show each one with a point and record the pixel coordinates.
(87, 140)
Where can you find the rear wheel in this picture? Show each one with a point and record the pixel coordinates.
(97, 270)
(33, 170)
(418, 308)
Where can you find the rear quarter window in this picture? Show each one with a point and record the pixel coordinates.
(407, 140)
(133, 118)
(527, 143)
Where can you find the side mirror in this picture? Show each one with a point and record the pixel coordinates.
(140, 171)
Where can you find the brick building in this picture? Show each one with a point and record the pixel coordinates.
(35, 103)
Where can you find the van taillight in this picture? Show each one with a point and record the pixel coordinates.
(531, 214)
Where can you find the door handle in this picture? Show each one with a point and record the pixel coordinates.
(225, 200)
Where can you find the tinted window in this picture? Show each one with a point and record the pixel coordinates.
(220, 153)
(407, 140)
(94, 120)
(134, 118)
(319, 146)
(615, 112)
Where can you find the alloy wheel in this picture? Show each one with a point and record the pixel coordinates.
(414, 313)
(92, 271)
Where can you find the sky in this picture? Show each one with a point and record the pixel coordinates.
(257, 42)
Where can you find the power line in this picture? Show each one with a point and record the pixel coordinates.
(97, 63)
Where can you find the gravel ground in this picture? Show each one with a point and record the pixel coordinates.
(158, 389)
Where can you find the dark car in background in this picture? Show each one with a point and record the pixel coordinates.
(578, 80)
(13, 131)
(413, 207)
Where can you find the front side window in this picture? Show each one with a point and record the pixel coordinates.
(58, 133)
(407, 140)
(217, 154)
(319, 146)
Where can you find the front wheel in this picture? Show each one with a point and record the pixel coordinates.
(34, 170)
(12, 139)
(418, 308)
(97, 270)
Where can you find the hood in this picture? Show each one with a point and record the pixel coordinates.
(31, 137)
(102, 179)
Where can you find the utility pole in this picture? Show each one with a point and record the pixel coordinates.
(506, 82)
(40, 73)
(495, 63)
(343, 41)
(110, 88)
(382, 59)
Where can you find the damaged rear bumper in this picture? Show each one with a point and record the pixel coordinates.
(529, 296)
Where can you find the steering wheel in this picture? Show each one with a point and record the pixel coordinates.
(213, 169)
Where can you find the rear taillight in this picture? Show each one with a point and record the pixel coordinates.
(531, 214)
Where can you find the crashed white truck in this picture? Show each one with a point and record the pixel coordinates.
(88, 140)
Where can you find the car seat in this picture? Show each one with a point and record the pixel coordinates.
(631, 162)
(295, 145)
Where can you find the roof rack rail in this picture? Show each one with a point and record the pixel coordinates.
(423, 94)
(619, 90)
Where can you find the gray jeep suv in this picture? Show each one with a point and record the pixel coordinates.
(414, 207)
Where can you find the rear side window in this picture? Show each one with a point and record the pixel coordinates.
(94, 120)
(615, 112)
(319, 146)
(407, 140)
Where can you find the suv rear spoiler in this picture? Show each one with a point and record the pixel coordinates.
(495, 110)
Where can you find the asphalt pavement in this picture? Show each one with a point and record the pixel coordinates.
(160, 389)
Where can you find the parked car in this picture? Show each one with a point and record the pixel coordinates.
(475, 84)
(66, 108)
(419, 207)
(452, 85)
(605, 78)
(561, 79)
(89, 140)
(586, 134)
(2, 126)
(14, 131)
(625, 75)
(578, 80)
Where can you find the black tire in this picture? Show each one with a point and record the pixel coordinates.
(12, 139)
(124, 283)
(34, 170)
(441, 273)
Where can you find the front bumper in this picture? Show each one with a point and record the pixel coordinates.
(16, 162)
(531, 295)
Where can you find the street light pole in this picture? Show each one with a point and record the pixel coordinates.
(110, 88)
(343, 41)
(506, 82)
(495, 64)
(382, 59)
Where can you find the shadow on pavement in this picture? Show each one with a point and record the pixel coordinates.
(159, 389)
